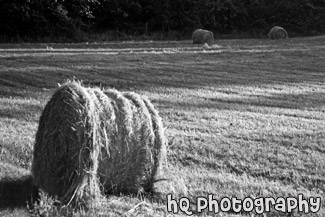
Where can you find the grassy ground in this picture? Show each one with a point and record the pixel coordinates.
(244, 118)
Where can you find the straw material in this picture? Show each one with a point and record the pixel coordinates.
(278, 32)
(127, 167)
(201, 36)
(90, 143)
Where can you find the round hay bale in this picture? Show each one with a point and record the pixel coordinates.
(90, 143)
(278, 32)
(201, 36)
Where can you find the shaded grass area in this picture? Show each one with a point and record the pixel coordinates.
(16, 187)
(248, 123)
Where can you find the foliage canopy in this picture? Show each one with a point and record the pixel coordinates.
(62, 18)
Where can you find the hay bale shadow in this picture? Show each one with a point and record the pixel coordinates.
(16, 187)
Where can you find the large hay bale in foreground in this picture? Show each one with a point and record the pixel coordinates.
(201, 36)
(91, 142)
(278, 32)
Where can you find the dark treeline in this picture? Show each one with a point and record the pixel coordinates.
(37, 19)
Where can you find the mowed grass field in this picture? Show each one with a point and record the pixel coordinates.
(245, 118)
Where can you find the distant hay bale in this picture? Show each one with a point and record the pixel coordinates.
(278, 32)
(201, 36)
(91, 142)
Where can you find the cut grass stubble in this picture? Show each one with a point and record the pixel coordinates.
(243, 121)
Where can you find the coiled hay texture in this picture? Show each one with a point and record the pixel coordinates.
(137, 152)
(278, 32)
(201, 36)
(90, 143)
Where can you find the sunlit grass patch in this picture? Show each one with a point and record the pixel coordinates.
(245, 120)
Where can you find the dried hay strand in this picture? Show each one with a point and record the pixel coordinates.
(90, 143)
(278, 32)
(201, 36)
